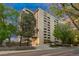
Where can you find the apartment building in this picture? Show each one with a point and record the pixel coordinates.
(45, 26)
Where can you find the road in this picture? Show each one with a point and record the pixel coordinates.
(51, 52)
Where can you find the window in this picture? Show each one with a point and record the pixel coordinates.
(45, 37)
(48, 32)
(44, 31)
(45, 21)
(44, 34)
(48, 17)
(48, 22)
(48, 29)
(45, 17)
(48, 37)
(44, 28)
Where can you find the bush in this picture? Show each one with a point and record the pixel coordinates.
(12, 44)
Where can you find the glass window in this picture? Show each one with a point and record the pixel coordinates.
(45, 21)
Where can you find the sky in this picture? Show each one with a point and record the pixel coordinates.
(31, 6)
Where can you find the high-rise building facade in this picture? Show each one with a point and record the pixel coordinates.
(45, 26)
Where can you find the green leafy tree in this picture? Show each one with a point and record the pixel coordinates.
(63, 32)
(11, 30)
(3, 33)
(27, 25)
(2, 9)
(7, 14)
(6, 31)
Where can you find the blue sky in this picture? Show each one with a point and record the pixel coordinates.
(31, 6)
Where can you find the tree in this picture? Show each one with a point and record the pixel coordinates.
(27, 25)
(3, 32)
(76, 40)
(7, 15)
(2, 9)
(11, 30)
(75, 6)
(70, 10)
(63, 32)
(6, 31)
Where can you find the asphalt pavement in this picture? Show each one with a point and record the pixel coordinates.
(63, 51)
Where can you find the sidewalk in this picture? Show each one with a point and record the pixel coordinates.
(8, 52)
